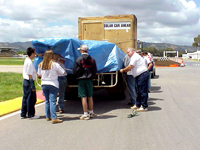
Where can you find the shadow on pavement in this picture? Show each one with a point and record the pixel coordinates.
(155, 89)
(156, 77)
(151, 103)
(154, 108)
(102, 104)
(155, 99)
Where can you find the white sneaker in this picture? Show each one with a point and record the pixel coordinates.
(23, 117)
(142, 109)
(134, 107)
(84, 117)
(35, 117)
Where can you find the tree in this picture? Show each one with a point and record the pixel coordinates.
(153, 51)
(196, 42)
(22, 52)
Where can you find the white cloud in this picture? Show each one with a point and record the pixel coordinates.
(172, 21)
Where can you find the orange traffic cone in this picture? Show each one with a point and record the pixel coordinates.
(182, 63)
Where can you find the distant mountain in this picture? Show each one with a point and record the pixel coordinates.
(160, 46)
(22, 46)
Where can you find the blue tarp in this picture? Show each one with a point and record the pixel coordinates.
(107, 55)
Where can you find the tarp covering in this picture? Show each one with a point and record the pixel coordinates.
(107, 55)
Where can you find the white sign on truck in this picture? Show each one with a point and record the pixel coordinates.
(117, 25)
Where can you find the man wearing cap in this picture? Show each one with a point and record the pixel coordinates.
(85, 70)
(139, 71)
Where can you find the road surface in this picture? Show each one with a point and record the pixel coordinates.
(172, 121)
(11, 68)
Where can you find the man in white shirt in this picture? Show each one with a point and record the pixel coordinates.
(29, 91)
(149, 65)
(141, 74)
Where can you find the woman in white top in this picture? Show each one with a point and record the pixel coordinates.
(49, 70)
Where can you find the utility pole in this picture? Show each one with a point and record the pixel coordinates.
(140, 44)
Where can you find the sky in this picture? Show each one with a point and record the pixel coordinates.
(159, 21)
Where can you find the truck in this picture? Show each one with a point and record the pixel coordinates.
(110, 35)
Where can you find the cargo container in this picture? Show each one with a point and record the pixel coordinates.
(118, 29)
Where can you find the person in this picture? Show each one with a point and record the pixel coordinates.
(48, 71)
(150, 68)
(29, 90)
(141, 74)
(148, 62)
(62, 79)
(85, 70)
(130, 82)
(149, 65)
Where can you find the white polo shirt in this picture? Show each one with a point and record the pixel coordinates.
(28, 69)
(147, 60)
(50, 77)
(138, 64)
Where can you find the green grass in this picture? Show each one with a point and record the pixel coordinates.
(11, 86)
(11, 61)
(195, 59)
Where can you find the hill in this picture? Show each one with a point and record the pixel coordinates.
(160, 46)
(22, 46)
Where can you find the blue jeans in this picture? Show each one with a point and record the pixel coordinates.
(50, 93)
(62, 86)
(131, 86)
(142, 89)
(149, 82)
(28, 100)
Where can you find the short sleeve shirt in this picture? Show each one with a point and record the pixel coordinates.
(147, 60)
(28, 69)
(138, 64)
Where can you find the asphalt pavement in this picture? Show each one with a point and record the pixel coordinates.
(172, 121)
(11, 68)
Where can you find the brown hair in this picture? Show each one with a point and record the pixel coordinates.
(49, 58)
(30, 50)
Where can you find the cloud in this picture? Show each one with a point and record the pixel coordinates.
(172, 21)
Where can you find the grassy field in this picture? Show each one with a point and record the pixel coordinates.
(11, 61)
(11, 86)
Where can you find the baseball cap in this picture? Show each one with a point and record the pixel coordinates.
(83, 47)
(139, 51)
